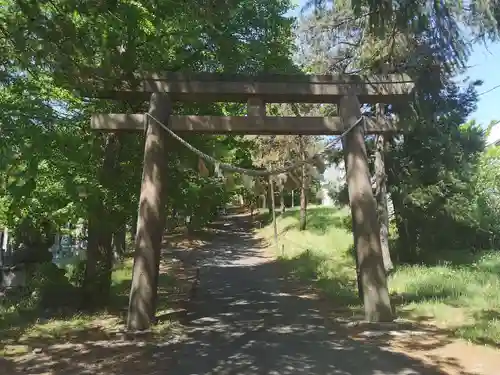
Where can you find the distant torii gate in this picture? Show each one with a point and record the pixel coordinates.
(345, 91)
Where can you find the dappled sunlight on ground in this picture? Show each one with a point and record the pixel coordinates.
(96, 343)
(457, 291)
(252, 317)
(91, 349)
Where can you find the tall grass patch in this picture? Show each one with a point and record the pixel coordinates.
(458, 291)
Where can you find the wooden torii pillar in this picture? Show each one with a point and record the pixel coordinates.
(346, 91)
(151, 217)
(365, 224)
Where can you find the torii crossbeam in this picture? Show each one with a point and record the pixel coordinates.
(345, 91)
(257, 91)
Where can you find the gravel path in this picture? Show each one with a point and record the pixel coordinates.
(244, 322)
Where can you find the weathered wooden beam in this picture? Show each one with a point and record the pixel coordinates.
(151, 219)
(269, 88)
(118, 121)
(269, 77)
(256, 108)
(369, 260)
(243, 125)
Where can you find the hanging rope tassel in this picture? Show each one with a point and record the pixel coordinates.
(202, 168)
(219, 166)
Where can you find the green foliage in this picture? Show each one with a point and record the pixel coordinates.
(68, 43)
(50, 288)
(4, 208)
(199, 198)
(76, 273)
(487, 193)
(431, 176)
(46, 287)
(433, 168)
(447, 24)
(55, 55)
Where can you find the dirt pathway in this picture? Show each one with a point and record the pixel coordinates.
(247, 320)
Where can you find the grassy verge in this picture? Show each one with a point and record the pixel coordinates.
(461, 294)
(21, 331)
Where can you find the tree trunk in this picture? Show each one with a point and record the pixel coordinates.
(381, 197)
(99, 263)
(406, 244)
(359, 280)
(364, 217)
(151, 222)
(303, 187)
(119, 243)
(273, 209)
(133, 225)
(269, 200)
(282, 201)
(97, 279)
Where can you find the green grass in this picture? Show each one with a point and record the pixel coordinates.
(464, 298)
(461, 294)
(121, 283)
(20, 330)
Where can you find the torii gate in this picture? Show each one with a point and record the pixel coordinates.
(345, 91)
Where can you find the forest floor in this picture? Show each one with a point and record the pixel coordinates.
(250, 316)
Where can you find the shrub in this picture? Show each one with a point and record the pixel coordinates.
(76, 273)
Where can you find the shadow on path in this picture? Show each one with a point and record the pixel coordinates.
(246, 319)
(244, 322)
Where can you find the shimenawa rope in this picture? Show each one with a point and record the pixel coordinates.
(253, 172)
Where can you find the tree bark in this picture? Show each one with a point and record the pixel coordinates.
(133, 225)
(97, 279)
(151, 221)
(119, 243)
(406, 242)
(282, 201)
(359, 281)
(381, 198)
(273, 209)
(269, 200)
(364, 217)
(303, 186)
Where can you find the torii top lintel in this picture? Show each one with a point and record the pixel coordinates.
(271, 88)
